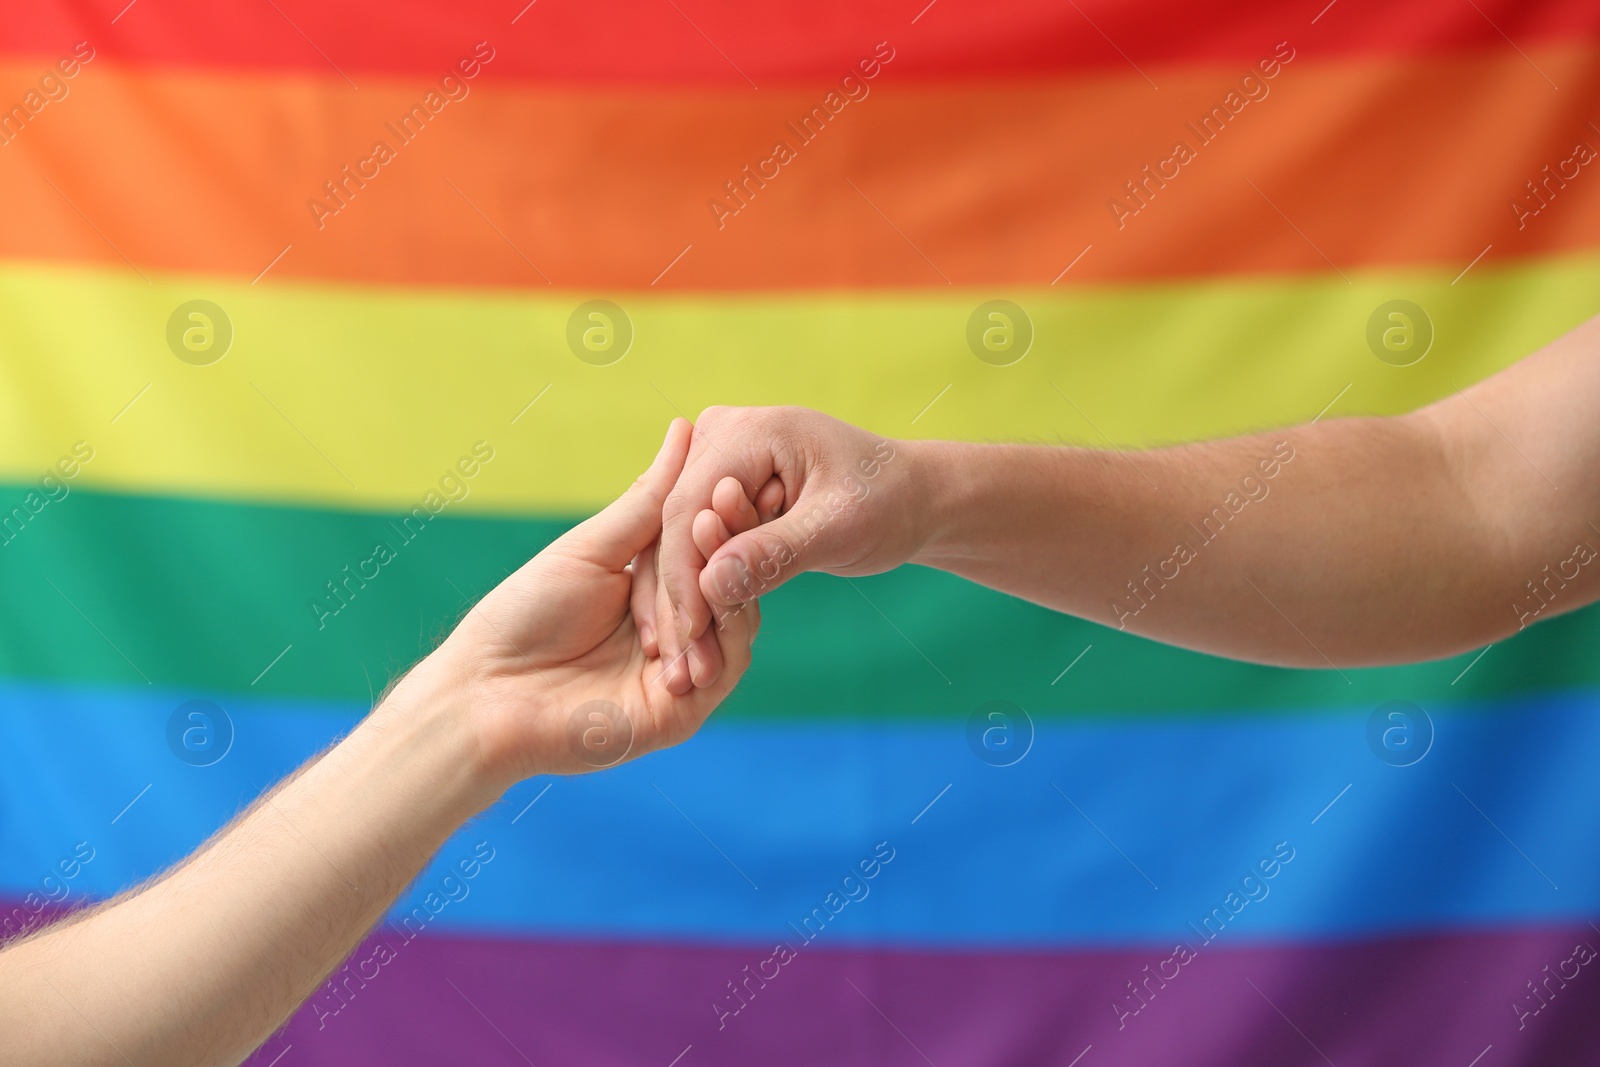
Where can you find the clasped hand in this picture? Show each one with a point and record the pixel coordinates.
(624, 634)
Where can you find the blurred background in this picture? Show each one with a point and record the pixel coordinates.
(272, 269)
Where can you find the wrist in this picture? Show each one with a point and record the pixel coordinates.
(939, 485)
(425, 729)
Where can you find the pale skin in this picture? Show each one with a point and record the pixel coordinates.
(204, 963)
(1378, 541)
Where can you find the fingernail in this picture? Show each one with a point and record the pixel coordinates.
(730, 578)
(697, 666)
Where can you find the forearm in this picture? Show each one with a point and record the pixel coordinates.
(1341, 543)
(203, 964)
(1345, 543)
(237, 936)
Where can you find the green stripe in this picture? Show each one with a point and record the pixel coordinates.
(198, 596)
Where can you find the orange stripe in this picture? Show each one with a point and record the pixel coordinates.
(1354, 164)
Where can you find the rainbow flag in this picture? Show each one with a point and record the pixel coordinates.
(273, 276)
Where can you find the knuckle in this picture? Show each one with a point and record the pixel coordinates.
(712, 416)
(774, 552)
(676, 504)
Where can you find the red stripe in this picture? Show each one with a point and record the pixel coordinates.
(726, 42)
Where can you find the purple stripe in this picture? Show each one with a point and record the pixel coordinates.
(1438, 999)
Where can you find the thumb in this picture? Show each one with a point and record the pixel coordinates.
(631, 522)
(757, 561)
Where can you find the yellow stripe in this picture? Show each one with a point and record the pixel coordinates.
(356, 397)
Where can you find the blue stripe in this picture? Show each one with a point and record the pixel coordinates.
(1164, 817)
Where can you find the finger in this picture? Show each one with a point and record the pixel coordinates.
(674, 668)
(736, 634)
(710, 532)
(642, 599)
(680, 562)
(730, 504)
(769, 501)
(705, 658)
(633, 520)
(757, 561)
(704, 653)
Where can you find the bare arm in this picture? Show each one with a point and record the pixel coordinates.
(545, 675)
(1349, 542)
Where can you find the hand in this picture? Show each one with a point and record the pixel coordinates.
(697, 662)
(765, 494)
(556, 677)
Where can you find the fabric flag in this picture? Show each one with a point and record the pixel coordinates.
(275, 277)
